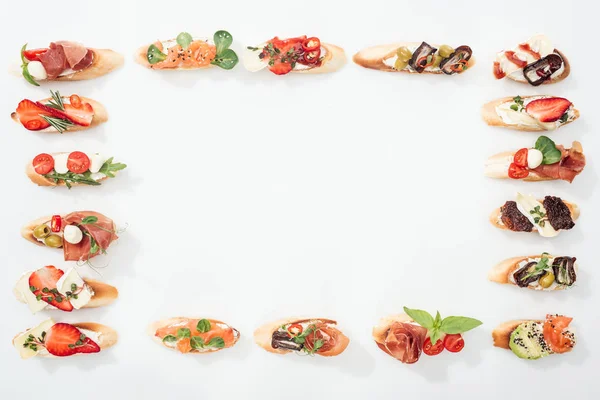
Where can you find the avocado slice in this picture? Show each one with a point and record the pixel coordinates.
(527, 341)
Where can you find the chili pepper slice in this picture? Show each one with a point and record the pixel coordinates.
(295, 329)
(311, 44)
(56, 223)
(312, 57)
(425, 61)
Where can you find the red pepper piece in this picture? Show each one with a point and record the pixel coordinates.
(56, 223)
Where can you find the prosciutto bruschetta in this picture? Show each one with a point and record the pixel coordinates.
(193, 335)
(67, 61)
(82, 235)
(548, 217)
(406, 336)
(303, 336)
(58, 114)
(188, 52)
(50, 287)
(534, 339)
(52, 339)
(538, 272)
(414, 57)
(72, 169)
(302, 54)
(535, 62)
(530, 113)
(543, 162)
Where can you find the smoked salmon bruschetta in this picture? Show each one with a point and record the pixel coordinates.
(53, 288)
(538, 272)
(188, 52)
(416, 58)
(59, 114)
(59, 339)
(193, 335)
(530, 113)
(406, 336)
(548, 217)
(67, 61)
(535, 62)
(72, 169)
(82, 235)
(307, 55)
(534, 339)
(545, 161)
(303, 336)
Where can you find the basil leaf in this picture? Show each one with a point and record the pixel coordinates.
(89, 220)
(183, 333)
(223, 40)
(169, 339)
(438, 320)
(184, 39)
(203, 326)
(154, 55)
(421, 317)
(435, 335)
(226, 60)
(454, 325)
(216, 342)
(197, 342)
(551, 154)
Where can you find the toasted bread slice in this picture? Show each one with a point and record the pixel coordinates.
(495, 215)
(40, 180)
(502, 272)
(501, 334)
(27, 230)
(555, 79)
(140, 58)
(333, 60)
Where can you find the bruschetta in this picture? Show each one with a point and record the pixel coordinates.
(530, 113)
(303, 336)
(548, 217)
(538, 272)
(414, 57)
(535, 62)
(188, 52)
(82, 235)
(72, 169)
(50, 287)
(52, 339)
(406, 336)
(307, 55)
(534, 339)
(193, 335)
(67, 61)
(545, 161)
(59, 114)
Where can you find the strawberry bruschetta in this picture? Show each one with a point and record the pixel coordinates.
(50, 287)
(544, 161)
(52, 339)
(414, 57)
(193, 335)
(406, 336)
(534, 339)
(188, 52)
(537, 272)
(530, 113)
(301, 54)
(72, 169)
(67, 61)
(535, 62)
(58, 114)
(303, 336)
(548, 217)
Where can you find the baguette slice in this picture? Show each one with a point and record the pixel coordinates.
(104, 61)
(27, 230)
(495, 215)
(40, 180)
(334, 59)
(140, 58)
(501, 334)
(491, 117)
(502, 271)
(263, 335)
(555, 79)
(374, 57)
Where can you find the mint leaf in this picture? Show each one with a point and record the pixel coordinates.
(183, 333)
(455, 325)
(551, 154)
(421, 317)
(216, 342)
(203, 326)
(197, 342)
(169, 339)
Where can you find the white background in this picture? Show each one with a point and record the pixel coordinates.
(252, 197)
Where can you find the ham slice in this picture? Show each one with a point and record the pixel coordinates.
(102, 231)
(570, 165)
(63, 55)
(54, 61)
(404, 342)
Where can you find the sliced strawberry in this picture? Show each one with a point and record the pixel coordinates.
(29, 114)
(65, 340)
(280, 68)
(42, 283)
(54, 112)
(549, 109)
(81, 115)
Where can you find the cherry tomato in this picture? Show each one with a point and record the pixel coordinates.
(433, 349)
(295, 329)
(32, 55)
(520, 158)
(311, 44)
(56, 223)
(516, 172)
(43, 163)
(454, 343)
(78, 162)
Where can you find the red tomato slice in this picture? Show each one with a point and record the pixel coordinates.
(554, 328)
(454, 343)
(516, 172)
(43, 163)
(32, 55)
(78, 162)
(520, 158)
(433, 349)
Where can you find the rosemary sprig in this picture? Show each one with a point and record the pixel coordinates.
(61, 125)
(57, 101)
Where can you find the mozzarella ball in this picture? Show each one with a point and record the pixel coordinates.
(72, 234)
(37, 70)
(534, 158)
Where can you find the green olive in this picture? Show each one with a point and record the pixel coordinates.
(400, 65)
(404, 53)
(445, 51)
(53, 241)
(437, 59)
(547, 280)
(41, 231)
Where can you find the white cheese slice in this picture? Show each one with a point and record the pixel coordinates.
(526, 204)
(27, 296)
(71, 277)
(20, 340)
(96, 162)
(251, 59)
(60, 163)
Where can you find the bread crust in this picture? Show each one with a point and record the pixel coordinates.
(494, 216)
(374, 58)
(501, 335)
(381, 329)
(566, 72)
(502, 271)
(140, 58)
(334, 59)
(43, 181)
(491, 117)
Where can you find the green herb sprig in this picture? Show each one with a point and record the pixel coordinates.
(549, 151)
(439, 326)
(518, 104)
(196, 342)
(25, 68)
(225, 58)
(542, 265)
(539, 217)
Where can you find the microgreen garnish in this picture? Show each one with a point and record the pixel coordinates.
(564, 118)
(301, 339)
(169, 339)
(203, 326)
(225, 57)
(32, 342)
(542, 265)
(184, 39)
(518, 105)
(438, 326)
(183, 333)
(252, 48)
(551, 154)
(25, 69)
(539, 217)
(154, 55)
